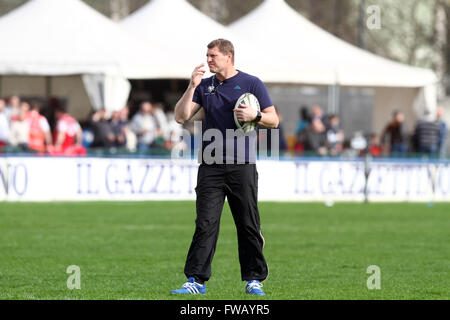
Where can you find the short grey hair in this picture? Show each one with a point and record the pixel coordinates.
(224, 46)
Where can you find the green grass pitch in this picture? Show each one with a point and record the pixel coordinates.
(136, 250)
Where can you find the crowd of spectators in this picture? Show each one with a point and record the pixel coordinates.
(319, 134)
(427, 137)
(149, 128)
(24, 127)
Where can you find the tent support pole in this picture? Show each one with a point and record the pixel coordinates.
(333, 99)
(337, 97)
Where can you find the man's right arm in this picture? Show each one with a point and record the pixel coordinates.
(185, 108)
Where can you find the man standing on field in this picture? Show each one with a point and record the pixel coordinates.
(236, 181)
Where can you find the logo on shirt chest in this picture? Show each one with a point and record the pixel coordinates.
(222, 98)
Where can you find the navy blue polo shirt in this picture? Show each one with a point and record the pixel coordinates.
(218, 100)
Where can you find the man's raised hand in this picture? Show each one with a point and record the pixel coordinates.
(197, 75)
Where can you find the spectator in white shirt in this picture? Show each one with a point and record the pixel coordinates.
(143, 125)
(20, 128)
(12, 108)
(161, 121)
(4, 125)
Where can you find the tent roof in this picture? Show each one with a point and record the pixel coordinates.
(185, 33)
(62, 37)
(296, 50)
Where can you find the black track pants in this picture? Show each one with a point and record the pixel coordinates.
(239, 183)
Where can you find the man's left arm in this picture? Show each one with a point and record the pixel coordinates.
(269, 118)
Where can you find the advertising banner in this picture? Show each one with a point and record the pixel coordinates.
(89, 179)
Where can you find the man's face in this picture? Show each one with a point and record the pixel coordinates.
(124, 113)
(14, 101)
(146, 107)
(24, 108)
(334, 121)
(399, 117)
(102, 114)
(439, 112)
(115, 115)
(217, 61)
(316, 111)
(58, 114)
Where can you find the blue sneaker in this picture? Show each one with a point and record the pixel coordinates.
(254, 287)
(191, 287)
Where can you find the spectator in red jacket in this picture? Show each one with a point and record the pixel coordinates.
(39, 129)
(67, 136)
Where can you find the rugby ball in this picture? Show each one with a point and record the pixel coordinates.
(251, 101)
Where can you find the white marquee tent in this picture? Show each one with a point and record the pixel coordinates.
(294, 50)
(280, 46)
(185, 32)
(66, 48)
(40, 41)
